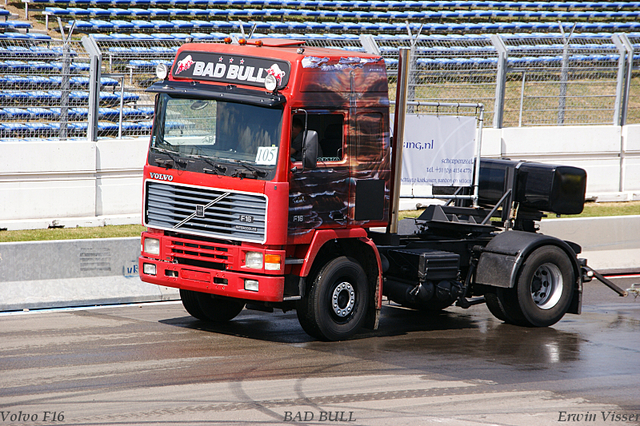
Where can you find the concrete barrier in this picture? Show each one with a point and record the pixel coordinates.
(609, 244)
(52, 274)
(81, 183)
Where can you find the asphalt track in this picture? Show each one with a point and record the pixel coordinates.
(153, 364)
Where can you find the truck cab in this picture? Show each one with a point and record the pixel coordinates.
(237, 216)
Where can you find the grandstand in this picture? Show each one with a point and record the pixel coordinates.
(571, 49)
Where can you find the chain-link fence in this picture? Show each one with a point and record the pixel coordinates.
(43, 86)
(560, 80)
(541, 79)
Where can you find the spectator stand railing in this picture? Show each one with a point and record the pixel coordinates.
(523, 79)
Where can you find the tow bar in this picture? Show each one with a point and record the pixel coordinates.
(589, 273)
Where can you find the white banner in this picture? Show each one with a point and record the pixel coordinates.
(438, 150)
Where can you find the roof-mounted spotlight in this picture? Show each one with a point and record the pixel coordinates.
(270, 83)
(162, 71)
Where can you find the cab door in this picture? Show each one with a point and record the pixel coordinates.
(319, 198)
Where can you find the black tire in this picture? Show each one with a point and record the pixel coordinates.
(336, 305)
(545, 286)
(496, 306)
(219, 309)
(207, 307)
(190, 303)
(503, 304)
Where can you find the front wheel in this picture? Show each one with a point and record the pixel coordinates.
(207, 307)
(336, 305)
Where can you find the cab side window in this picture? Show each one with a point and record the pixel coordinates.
(330, 128)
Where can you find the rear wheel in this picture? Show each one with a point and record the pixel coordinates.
(545, 286)
(336, 305)
(542, 293)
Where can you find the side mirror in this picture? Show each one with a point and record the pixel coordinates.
(310, 150)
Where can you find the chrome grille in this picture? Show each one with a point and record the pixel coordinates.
(204, 211)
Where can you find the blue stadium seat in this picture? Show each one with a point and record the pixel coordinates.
(78, 113)
(199, 13)
(101, 25)
(155, 12)
(141, 112)
(13, 129)
(182, 25)
(116, 11)
(181, 13)
(141, 37)
(96, 12)
(42, 96)
(297, 26)
(109, 113)
(42, 113)
(117, 36)
(142, 25)
(315, 26)
(121, 25)
(16, 65)
(15, 95)
(202, 25)
(162, 25)
(16, 25)
(14, 80)
(38, 128)
(40, 81)
(17, 113)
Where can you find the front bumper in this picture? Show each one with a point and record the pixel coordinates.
(210, 267)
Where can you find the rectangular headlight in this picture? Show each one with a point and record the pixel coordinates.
(152, 246)
(251, 285)
(149, 268)
(253, 260)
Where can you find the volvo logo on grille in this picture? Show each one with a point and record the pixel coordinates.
(160, 176)
(200, 210)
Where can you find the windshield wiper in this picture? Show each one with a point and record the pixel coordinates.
(168, 163)
(217, 168)
(253, 171)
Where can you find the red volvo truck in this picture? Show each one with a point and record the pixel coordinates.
(270, 184)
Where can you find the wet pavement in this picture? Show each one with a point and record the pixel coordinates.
(154, 364)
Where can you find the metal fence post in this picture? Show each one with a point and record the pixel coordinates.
(501, 80)
(65, 85)
(564, 74)
(398, 134)
(369, 44)
(94, 86)
(564, 78)
(623, 83)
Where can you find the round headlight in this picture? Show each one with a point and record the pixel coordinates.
(162, 71)
(270, 83)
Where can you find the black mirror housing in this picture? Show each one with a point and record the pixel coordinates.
(310, 150)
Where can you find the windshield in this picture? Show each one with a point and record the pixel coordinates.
(217, 136)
